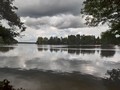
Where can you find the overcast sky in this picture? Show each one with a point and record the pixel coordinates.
(53, 18)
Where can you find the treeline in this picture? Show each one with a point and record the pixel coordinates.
(70, 40)
(106, 39)
(6, 36)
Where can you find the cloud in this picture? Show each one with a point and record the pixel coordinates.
(53, 18)
(37, 8)
(58, 21)
(31, 34)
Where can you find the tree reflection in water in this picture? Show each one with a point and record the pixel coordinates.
(113, 80)
(106, 53)
(6, 49)
(73, 81)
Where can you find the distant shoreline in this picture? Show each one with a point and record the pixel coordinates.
(26, 42)
(64, 44)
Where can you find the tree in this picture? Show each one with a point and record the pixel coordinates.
(102, 11)
(40, 40)
(108, 38)
(5, 85)
(78, 39)
(7, 12)
(7, 35)
(72, 40)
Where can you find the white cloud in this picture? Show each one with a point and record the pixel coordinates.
(53, 18)
(31, 34)
(61, 21)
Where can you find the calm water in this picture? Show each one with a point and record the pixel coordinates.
(58, 67)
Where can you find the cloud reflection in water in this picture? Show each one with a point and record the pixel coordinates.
(89, 60)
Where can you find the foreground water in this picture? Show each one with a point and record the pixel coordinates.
(58, 67)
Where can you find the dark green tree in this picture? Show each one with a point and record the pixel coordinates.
(5, 85)
(78, 39)
(108, 38)
(8, 13)
(45, 40)
(72, 40)
(40, 40)
(64, 40)
(87, 39)
(51, 40)
(98, 40)
(102, 11)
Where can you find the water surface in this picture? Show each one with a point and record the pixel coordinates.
(58, 67)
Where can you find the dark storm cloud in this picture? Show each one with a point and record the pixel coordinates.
(37, 8)
(58, 21)
(60, 14)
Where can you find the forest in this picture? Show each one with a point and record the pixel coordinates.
(75, 40)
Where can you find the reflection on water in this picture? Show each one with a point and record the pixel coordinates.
(112, 82)
(108, 51)
(105, 53)
(6, 49)
(59, 67)
(41, 80)
(48, 80)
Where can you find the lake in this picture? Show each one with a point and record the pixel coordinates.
(58, 67)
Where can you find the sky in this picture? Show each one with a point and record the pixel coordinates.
(45, 18)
